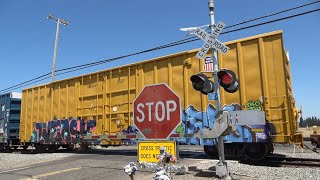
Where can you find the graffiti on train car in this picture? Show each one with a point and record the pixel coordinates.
(194, 121)
(254, 105)
(61, 131)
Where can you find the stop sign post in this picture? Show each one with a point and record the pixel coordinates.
(157, 111)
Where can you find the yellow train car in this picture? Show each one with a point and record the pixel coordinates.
(100, 103)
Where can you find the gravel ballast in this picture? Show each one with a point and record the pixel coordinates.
(249, 172)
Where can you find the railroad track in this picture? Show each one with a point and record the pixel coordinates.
(290, 161)
(312, 149)
(300, 164)
(274, 161)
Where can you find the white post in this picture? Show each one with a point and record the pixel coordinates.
(221, 167)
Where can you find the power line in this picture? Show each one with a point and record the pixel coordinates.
(272, 21)
(273, 14)
(187, 40)
(8, 89)
(183, 41)
(244, 22)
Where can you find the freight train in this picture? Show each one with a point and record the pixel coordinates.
(96, 108)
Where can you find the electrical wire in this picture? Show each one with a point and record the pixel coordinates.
(157, 48)
(244, 22)
(183, 41)
(25, 82)
(187, 40)
(273, 14)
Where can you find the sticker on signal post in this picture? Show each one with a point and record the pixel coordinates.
(148, 151)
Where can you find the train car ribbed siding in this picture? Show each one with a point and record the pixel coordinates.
(259, 62)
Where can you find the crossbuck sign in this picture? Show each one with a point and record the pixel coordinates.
(211, 40)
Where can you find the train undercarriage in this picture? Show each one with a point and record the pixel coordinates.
(40, 148)
(83, 145)
(245, 151)
(251, 151)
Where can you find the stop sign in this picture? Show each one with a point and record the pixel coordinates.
(156, 111)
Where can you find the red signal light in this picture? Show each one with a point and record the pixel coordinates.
(228, 80)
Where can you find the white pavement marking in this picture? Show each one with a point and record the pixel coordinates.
(16, 169)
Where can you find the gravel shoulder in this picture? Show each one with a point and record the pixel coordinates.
(289, 151)
(204, 169)
(14, 160)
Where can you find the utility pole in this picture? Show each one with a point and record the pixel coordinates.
(65, 23)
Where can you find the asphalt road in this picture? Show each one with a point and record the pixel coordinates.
(108, 164)
(77, 166)
(96, 164)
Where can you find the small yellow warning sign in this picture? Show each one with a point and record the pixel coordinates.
(148, 151)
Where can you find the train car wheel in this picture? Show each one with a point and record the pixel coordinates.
(8, 149)
(1, 147)
(256, 152)
(70, 147)
(40, 148)
(52, 148)
(84, 147)
(211, 151)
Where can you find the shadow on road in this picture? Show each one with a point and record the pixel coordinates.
(211, 172)
(133, 152)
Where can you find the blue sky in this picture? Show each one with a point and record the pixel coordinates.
(104, 29)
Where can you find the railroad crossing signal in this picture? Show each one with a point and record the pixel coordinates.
(201, 82)
(211, 40)
(227, 79)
